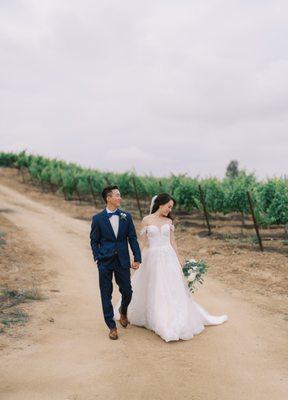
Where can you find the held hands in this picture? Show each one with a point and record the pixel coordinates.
(135, 265)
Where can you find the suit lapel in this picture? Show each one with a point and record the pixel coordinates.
(108, 223)
(109, 226)
(121, 224)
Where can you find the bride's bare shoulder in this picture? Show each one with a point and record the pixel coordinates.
(146, 219)
(168, 220)
(144, 222)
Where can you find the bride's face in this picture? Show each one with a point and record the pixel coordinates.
(165, 209)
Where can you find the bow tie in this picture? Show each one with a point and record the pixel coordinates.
(117, 212)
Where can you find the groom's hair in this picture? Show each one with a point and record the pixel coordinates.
(108, 190)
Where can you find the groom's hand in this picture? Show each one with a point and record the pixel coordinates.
(135, 265)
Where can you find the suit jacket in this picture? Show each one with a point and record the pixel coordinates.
(106, 246)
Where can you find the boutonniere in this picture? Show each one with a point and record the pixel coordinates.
(123, 215)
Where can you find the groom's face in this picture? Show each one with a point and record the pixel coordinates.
(114, 198)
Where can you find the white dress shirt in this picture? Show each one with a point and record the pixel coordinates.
(114, 220)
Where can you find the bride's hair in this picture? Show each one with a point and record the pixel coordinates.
(163, 198)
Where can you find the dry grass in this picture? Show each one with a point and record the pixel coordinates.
(21, 276)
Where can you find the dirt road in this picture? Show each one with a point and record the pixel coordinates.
(72, 358)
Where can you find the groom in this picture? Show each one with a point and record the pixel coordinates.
(110, 230)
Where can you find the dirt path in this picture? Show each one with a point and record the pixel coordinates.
(73, 359)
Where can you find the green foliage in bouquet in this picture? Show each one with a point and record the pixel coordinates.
(193, 271)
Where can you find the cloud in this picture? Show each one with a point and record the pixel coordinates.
(128, 158)
(192, 84)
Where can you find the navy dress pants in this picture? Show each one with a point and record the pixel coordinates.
(122, 278)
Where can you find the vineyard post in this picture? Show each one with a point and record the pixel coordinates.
(243, 219)
(78, 195)
(202, 198)
(286, 230)
(30, 179)
(255, 221)
(22, 173)
(137, 197)
(41, 183)
(63, 187)
(52, 187)
(92, 191)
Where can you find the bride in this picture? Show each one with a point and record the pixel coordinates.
(161, 298)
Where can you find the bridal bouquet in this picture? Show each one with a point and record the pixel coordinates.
(193, 271)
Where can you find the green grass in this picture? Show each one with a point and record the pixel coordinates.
(13, 317)
(10, 298)
(2, 240)
(253, 239)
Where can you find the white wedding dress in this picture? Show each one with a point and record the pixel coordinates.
(161, 299)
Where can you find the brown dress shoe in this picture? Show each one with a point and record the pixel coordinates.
(123, 319)
(113, 334)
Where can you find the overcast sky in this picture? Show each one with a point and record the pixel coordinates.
(181, 86)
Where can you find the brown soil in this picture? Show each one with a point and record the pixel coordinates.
(63, 351)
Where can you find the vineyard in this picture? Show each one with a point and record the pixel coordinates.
(266, 201)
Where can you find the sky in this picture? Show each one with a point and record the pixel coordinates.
(159, 86)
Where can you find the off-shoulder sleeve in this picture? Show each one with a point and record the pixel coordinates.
(143, 230)
(172, 227)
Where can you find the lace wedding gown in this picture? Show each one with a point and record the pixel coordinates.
(161, 299)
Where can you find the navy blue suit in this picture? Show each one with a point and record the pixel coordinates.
(112, 255)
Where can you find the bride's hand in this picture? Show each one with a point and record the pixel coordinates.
(135, 265)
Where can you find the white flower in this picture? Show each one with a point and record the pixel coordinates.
(123, 215)
(192, 260)
(191, 277)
